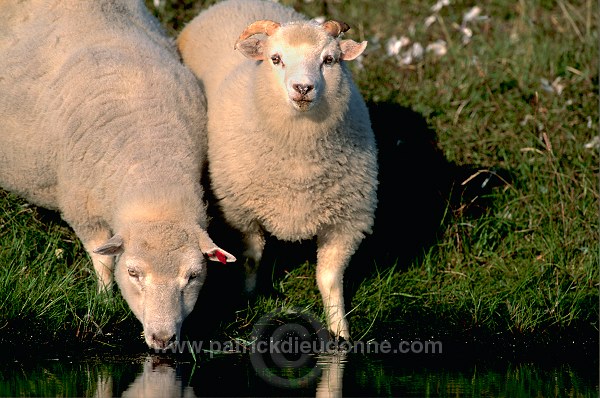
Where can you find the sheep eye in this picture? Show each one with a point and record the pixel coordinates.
(328, 60)
(276, 59)
(193, 275)
(133, 273)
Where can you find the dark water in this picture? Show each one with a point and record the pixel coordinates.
(352, 374)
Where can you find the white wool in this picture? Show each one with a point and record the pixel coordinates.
(276, 164)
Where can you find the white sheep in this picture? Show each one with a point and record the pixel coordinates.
(290, 145)
(100, 121)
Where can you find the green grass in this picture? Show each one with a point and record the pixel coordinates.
(47, 287)
(524, 264)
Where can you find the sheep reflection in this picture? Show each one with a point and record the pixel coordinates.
(161, 377)
(330, 382)
(158, 379)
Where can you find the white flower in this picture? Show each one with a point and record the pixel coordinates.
(394, 45)
(467, 33)
(404, 41)
(594, 143)
(438, 47)
(430, 20)
(414, 54)
(558, 86)
(555, 87)
(417, 51)
(406, 58)
(471, 15)
(439, 5)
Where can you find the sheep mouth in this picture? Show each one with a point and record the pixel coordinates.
(302, 104)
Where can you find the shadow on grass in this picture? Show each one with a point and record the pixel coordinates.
(419, 191)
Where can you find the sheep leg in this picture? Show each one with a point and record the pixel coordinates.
(333, 255)
(254, 242)
(103, 265)
(93, 238)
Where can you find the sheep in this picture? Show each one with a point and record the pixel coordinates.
(100, 121)
(291, 152)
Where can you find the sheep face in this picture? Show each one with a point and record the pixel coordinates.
(303, 59)
(160, 271)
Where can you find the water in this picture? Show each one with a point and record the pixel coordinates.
(289, 353)
(323, 375)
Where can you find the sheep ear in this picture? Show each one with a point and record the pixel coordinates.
(251, 48)
(218, 254)
(212, 251)
(112, 247)
(351, 49)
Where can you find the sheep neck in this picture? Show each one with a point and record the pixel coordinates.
(302, 132)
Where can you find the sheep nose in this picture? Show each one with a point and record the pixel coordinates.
(303, 88)
(162, 340)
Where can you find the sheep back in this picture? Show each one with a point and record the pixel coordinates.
(69, 122)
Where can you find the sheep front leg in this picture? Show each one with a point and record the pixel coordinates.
(254, 242)
(93, 238)
(103, 265)
(90, 229)
(333, 255)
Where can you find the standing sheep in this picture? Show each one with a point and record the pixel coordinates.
(290, 145)
(100, 121)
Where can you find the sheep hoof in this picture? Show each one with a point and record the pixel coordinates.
(340, 345)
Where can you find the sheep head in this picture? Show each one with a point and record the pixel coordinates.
(305, 57)
(160, 271)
